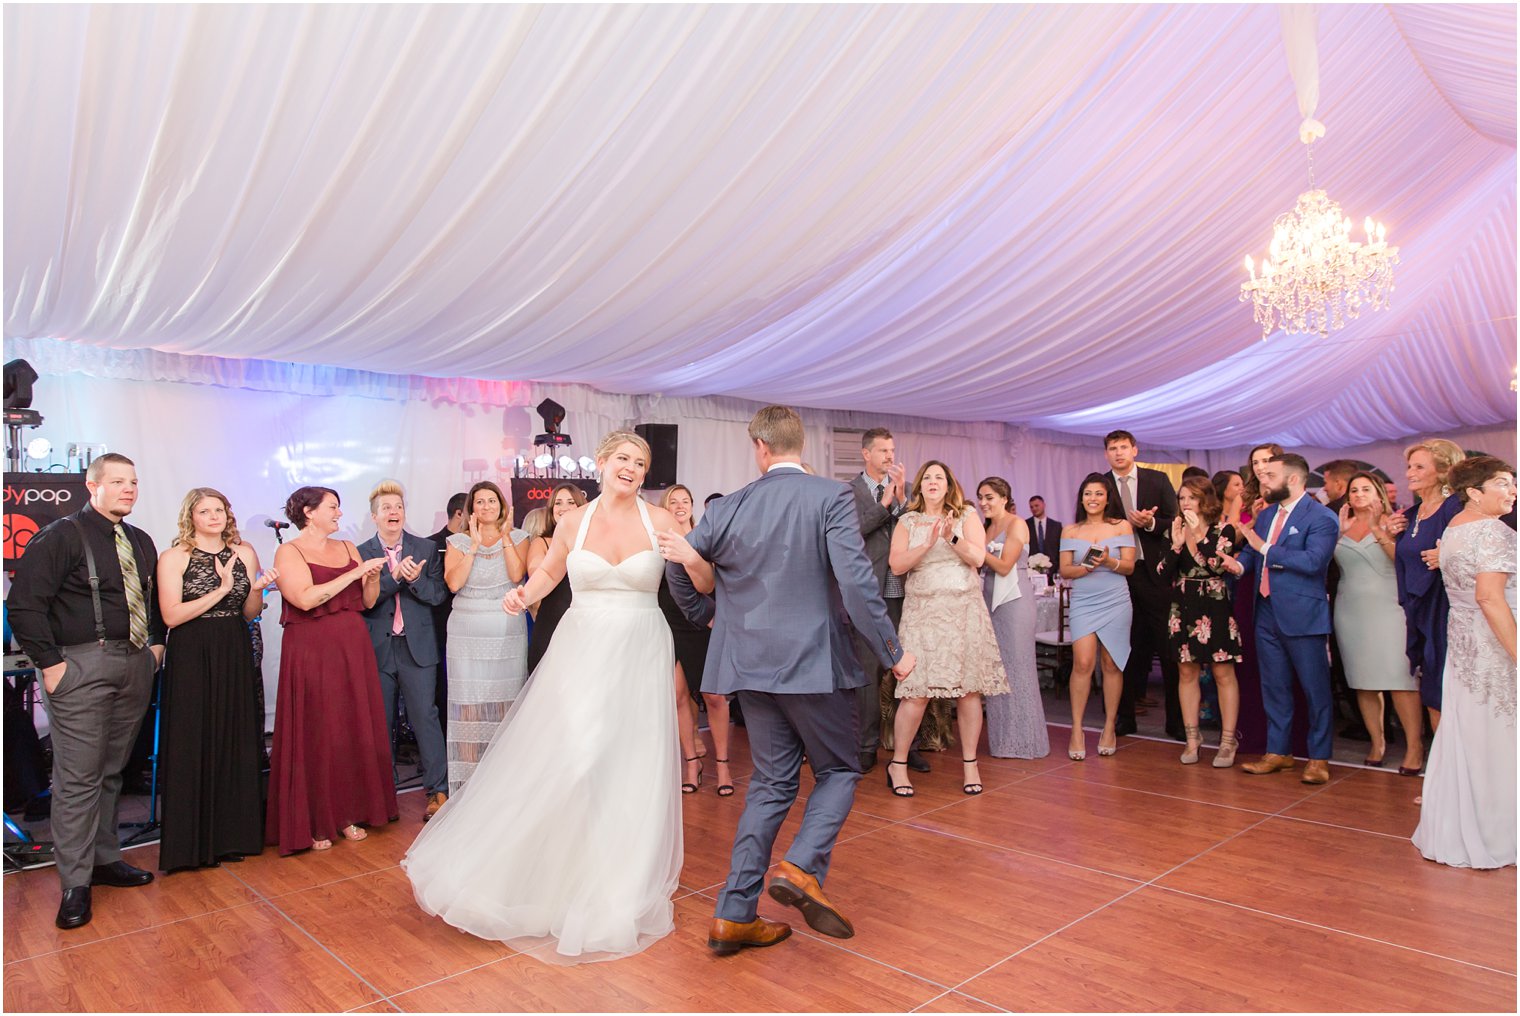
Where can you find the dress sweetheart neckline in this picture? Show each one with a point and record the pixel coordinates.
(609, 564)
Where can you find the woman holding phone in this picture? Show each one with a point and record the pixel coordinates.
(1096, 554)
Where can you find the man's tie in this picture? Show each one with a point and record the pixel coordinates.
(1039, 528)
(1277, 523)
(392, 555)
(137, 607)
(1128, 498)
(880, 488)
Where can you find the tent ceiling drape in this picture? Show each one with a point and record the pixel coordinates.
(1021, 214)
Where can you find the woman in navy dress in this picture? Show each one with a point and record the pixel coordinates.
(1421, 591)
(1100, 607)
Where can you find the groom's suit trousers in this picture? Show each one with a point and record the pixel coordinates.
(781, 728)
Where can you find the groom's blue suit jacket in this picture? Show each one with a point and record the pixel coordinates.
(788, 558)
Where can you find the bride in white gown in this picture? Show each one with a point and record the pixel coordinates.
(569, 831)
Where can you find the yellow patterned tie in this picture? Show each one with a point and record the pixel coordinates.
(135, 603)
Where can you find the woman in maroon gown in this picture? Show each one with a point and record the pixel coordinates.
(330, 769)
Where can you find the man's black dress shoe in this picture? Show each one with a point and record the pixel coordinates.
(1124, 726)
(867, 761)
(916, 762)
(1176, 734)
(119, 874)
(74, 911)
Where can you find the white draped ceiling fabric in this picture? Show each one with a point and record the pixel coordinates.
(1030, 215)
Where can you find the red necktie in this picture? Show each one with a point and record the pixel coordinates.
(1266, 585)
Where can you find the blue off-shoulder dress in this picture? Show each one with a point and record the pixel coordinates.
(1100, 599)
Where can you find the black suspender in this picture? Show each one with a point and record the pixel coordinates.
(89, 564)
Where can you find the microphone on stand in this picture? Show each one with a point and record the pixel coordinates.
(277, 525)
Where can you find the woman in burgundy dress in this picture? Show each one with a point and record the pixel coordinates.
(330, 769)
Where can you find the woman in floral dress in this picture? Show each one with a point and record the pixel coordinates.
(1202, 622)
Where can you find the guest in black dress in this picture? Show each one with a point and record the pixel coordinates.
(691, 657)
(546, 612)
(209, 587)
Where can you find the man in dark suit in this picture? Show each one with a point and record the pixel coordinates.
(401, 630)
(1291, 545)
(1044, 536)
(781, 554)
(880, 492)
(1150, 505)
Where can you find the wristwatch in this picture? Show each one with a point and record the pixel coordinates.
(954, 540)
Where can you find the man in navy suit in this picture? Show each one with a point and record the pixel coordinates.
(1291, 546)
(401, 629)
(781, 555)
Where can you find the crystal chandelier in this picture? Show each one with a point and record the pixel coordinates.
(1315, 275)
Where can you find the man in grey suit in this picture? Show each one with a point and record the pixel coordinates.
(880, 493)
(781, 554)
(401, 629)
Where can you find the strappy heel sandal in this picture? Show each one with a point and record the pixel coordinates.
(899, 789)
(970, 789)
(1194, 742)
(1225, 757)
(691, 788)
(724, 789)
(353, 833)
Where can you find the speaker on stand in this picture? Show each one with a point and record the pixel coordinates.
(662, 454)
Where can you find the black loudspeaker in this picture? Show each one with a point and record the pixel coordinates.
(662, 454)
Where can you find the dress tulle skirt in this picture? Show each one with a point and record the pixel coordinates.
(567, 838)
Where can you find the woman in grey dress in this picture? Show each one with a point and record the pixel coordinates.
(1016, 721)
(1369, 623)
(487, 649)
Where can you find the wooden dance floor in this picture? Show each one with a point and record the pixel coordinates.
(1124, 883)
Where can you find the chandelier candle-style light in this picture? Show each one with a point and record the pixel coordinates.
(1315, 275)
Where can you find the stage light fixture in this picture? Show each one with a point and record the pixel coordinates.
(553, 415)
(588, 466)
(19, 376)
(567, 465)
(39, 449)
(543, 460)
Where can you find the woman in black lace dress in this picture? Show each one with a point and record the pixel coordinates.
(563, 499)
(212, 731)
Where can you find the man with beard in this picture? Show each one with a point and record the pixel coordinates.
(1291, 546)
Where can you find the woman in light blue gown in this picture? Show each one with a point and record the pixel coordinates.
(1097, 552)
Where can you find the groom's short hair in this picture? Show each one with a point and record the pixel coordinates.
(780, 428)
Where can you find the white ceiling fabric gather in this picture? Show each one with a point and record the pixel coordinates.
(999, 213)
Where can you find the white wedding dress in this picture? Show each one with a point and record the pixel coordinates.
(569, 830)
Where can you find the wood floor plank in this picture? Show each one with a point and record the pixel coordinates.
(680, 974)
(1363, 883)
(1094, 824)
(1376, 800)
(248, 958)
(979, 907)
(956, 1002)
(1159, 951)
(31, 902)
(372, 923)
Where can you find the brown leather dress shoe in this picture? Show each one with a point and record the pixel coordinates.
(1316, 771)
(796, 888)
(728, 937)
(437, 799)
(1268, 763)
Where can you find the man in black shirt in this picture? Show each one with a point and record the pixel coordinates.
(457, 523)
(97, 652)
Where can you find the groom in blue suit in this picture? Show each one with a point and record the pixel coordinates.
(1291, 546)
(784, 556)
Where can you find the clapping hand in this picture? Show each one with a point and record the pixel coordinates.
(898, 474)
(474, 531)
(371, 567)
(224, 572)
(1142, 518)
(1396, 524)
(266, 579)
(1231, 564)
(407, 569)
(1179, 534)
(515, 602)
(1345, 516)
(674, 548)
(1256, 542)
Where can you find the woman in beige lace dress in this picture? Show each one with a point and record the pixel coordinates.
(938, 546)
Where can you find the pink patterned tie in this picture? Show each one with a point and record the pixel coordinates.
(1266, 585)
(392, 556)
